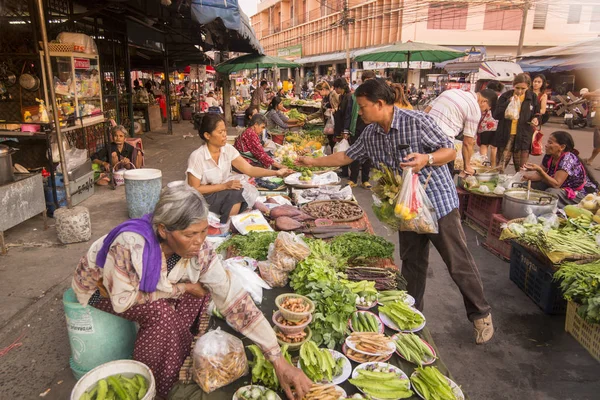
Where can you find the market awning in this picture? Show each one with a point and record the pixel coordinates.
(227, 25)
(338, 56)
(321, 58)
(585, 54)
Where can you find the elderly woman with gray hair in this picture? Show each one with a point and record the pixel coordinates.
(158, 271)
(118, 151)
(250, 147)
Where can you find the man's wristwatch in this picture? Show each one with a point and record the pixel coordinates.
(430, 162)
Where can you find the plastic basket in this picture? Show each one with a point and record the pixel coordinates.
(588, 335)
(481, 208)
(60, 47)
(493, 243)
(534, 277)
(463, 202)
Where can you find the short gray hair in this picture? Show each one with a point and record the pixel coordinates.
(258, 119)
(179, 207)
(118, 128)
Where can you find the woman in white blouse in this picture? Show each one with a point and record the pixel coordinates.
(209, 169)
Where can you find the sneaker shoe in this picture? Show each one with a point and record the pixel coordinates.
(484, 329)
(367, 185)
(352, 184)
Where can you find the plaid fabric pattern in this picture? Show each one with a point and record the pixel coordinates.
(423, 136)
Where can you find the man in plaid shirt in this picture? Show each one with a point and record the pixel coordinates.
(401, 139)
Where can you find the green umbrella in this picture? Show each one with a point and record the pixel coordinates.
(411, 51)
(251, 61)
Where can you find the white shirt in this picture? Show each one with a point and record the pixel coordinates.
(310, 85)
(245, 91)
(203, 167)
(456, 111)
(212, 102)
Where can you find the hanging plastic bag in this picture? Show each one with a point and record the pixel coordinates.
(218, 359)
(536, 143)
(514, 109)
(413, 208)
(328, 130)
(342, 145)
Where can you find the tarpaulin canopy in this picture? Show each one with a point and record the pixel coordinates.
(253, 61)
(584, 54)
(499, 70)
(226, 14)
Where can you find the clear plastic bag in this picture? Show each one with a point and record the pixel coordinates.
(516, 178)
(272, 275)
(328, 130)
(413, 208)
(218, 360)
(514, 109)
(287, 250)
(292, 245)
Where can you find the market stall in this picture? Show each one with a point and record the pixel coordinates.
(187, 389)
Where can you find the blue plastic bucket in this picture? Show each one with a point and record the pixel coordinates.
(96, 337)
(142, 190)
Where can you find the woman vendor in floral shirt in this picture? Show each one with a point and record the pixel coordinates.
(159, 272)
(561, 172)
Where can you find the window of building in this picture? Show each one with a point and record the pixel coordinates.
(574, 16)
(502, 17)
(539, 18)
(595, 22)
(447, 15)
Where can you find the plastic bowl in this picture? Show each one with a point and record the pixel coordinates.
(295, 346)
(287, 329)
(127, 368)
(291, 315)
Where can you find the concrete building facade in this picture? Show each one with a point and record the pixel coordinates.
(314, 28)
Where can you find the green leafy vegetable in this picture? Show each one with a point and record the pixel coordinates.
(317, 278)
(352, 244)
(581, 284)
(254, 245)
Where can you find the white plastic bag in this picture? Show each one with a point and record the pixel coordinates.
(74, 157)
(342, 145)
(243, 268)
(413, 207)
(249, 192)
(218, 359)
(516, 178)
(514, 109)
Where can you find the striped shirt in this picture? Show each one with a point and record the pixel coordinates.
(421, 133)
(456, 111)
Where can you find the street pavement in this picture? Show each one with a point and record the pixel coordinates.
(530, 357)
